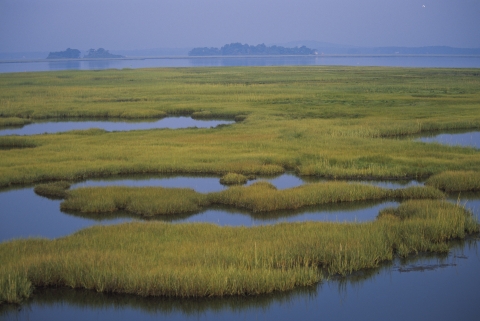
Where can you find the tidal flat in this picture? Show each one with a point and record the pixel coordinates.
(321, 122)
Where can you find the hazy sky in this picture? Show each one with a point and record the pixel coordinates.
(52, 25)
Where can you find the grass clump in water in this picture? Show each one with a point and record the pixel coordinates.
(456, 181)
(144, 201)
(263, 197)
(14, 286)
(55, 190)
(258, 197)
(202, 260)
(233, 179)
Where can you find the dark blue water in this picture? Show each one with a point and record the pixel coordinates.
(392, 61)
(78, 124)
(423, 287)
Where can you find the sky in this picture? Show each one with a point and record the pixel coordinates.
(54, 25)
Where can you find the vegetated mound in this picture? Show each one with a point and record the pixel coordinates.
(101, 53)
(238, 49)
(67, 54)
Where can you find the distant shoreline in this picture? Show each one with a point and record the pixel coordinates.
(236, 57)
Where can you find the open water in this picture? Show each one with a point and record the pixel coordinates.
(168, 62)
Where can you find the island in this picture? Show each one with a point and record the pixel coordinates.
(238, 49)
(101, 53)
(67, 54)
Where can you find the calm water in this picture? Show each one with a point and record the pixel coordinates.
(63, 126)
(26, 214)
(392, 61)
(469, 139)
(422, 287)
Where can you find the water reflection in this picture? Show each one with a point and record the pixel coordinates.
(340, 60)
(25, 214)
(40, 127)
(64, 65)
(421, 287)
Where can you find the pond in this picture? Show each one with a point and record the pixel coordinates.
(25, 214)
(41, 127)
(422, 287)
(463, 139)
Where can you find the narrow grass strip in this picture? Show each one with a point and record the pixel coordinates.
(258, 197)
(456, 181)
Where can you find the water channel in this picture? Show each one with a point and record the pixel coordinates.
(433, 287)
(25, 214)
(41, 127)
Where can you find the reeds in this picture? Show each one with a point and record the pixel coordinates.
(258, 197)
(201, 260)
(144, 201)
(456, 181)
(13, 122)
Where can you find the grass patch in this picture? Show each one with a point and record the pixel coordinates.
(144, 201)
(456, 181)
(258, 197)
(233, 179)
(54, 190)
(201, 260)
(13, 122)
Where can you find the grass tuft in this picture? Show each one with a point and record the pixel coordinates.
(233, 179)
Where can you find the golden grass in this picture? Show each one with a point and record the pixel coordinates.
(323, 121)
(198, 260)
(455, 181)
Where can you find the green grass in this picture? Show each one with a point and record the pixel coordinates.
(233, 179)
(201, 260)
(13, 122)
(258, 197)
(55, 190)
(456, 181)
(324, 121)
(338, 122)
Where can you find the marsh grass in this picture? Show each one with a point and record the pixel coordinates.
(201, 260)
(456, 181)
(320, 121)
(233, 179)
(13, 122)
(15, 142)
(143, 201)
(258, 197)
(54, 190)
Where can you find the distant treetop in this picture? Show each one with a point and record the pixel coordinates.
(67, 54)
(100, 53)
(237, 49)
